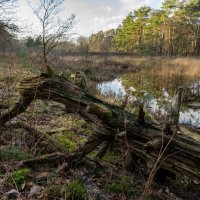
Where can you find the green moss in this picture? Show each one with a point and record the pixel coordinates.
(92, 154)
(19, 176)
(73, 122)
(75, 135)
(109, 157)
(64, 140)
(13, 153)
(77, 130)
(100, 110)
(72, 97)
(76, 190)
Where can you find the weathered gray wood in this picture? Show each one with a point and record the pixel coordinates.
(182, 155)
(176, 104)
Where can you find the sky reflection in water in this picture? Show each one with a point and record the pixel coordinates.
(116, 89)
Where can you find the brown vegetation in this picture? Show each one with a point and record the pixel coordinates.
(41, 123)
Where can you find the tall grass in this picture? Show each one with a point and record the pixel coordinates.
(168, 73)
(160, 71)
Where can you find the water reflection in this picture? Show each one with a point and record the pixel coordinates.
(157, 106)
(190, 116)
(112, 89)
(195, 88)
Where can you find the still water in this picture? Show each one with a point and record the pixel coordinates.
(155, 105)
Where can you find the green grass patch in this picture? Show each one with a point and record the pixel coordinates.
(19, 176)
(13, 153)
(76, 190)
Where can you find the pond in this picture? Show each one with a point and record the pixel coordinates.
(112, 88)
(157, 103)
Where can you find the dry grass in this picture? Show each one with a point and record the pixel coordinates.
(161, 71)
(168, 73)
(182, 71)
(189, 67)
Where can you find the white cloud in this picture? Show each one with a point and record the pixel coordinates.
(105, 23)
(109, 9)
(104, 20)
(92, 16)
(27, 19)
(130, 5)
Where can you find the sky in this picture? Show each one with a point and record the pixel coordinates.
(91, 15)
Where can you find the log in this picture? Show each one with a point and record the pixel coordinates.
(143, 138)
(39, 135)
(51, 158)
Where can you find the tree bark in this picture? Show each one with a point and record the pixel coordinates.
(145, 140)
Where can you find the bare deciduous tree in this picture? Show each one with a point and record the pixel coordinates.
(54, 30)
(6, 7)
(83, 44)
(7, 27)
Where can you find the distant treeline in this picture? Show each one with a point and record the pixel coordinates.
(80, 53)
(172, 30)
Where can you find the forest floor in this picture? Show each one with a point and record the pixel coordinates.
(91, 178)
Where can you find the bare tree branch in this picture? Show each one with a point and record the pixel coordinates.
(54, 30)
(7, 27)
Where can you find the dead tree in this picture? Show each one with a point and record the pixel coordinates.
(143, 138)
(176, 104)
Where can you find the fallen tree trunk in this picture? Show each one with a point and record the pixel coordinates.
(40, 136)
(180, 153)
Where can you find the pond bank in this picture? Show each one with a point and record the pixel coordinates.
(158, 104)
